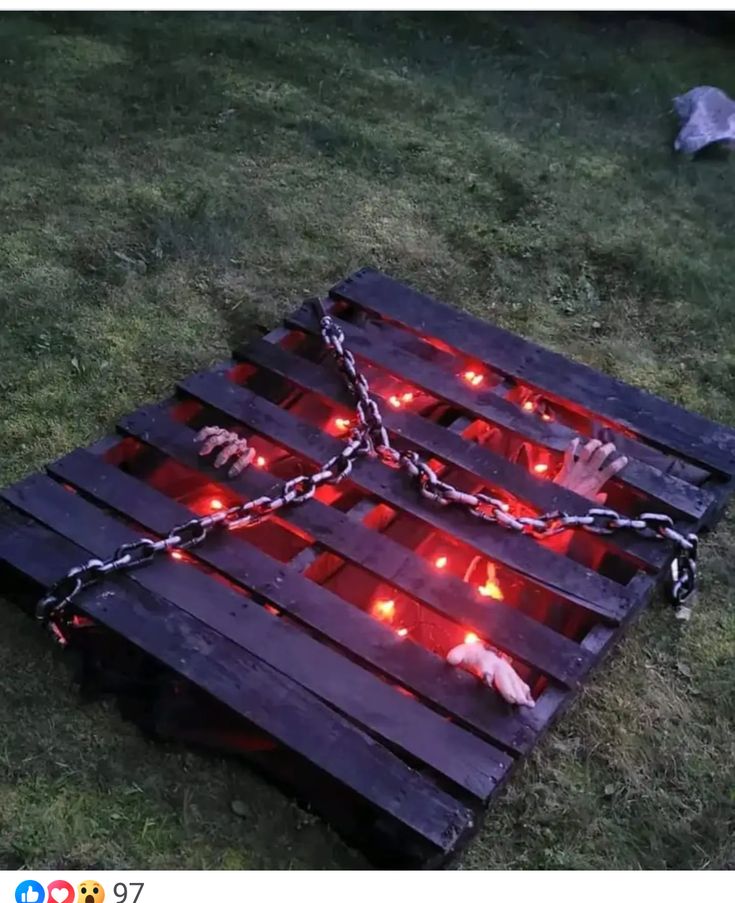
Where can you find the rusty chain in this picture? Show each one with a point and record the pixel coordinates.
(369, 437)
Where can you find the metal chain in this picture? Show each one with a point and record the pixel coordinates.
(53, 608)
(651, 525)
(369, 437)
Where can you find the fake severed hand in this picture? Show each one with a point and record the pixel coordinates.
(588, 467)
(495, 670)
(231, 446)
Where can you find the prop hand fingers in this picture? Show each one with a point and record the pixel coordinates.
(230, 445)
(588, 467)
(494, 670)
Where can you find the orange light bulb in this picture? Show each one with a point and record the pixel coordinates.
(385, 609)
(490, 590)
(473, 377)
(471, 638)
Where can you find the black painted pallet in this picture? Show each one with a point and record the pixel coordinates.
(268, 643)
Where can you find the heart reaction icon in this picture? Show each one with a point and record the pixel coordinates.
(60, 891)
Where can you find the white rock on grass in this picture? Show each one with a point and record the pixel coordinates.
(707, 115)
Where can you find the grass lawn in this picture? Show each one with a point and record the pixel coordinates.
(171, 181)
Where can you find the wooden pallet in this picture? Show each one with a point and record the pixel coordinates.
(266, 642)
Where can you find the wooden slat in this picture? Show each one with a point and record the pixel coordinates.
(248, 686)
(457, 692)
(566, 578)
(451, 751)
(442, 381)
(661, 422)
(515, 633)
(495, 470)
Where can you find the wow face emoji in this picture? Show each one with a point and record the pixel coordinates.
(90, 892)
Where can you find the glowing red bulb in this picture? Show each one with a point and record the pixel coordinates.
(179, 556)
(528, 406)
(394, 401)
(473, 377)
(216, 505)
(540, 468)
(402, 631)
(385, 609)
(441, 562)
(546, 417)
(260, 461)
(490, 590)
(471, 638)
(342, 423)
(407, 397)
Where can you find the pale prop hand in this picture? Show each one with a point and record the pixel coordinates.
(231, 446)
(495, 670)
(588, 467)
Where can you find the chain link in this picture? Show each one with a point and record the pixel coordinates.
(369, 437)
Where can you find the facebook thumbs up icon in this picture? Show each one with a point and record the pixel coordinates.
(29, 892)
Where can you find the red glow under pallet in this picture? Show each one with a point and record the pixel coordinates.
(314, 644)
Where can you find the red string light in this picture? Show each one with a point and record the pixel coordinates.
(394, 401)
(216, 504)
(260, 461)
(471, 638)
(384, 610)
(441, 562)
(342, 423)
(491, 590)
(540, 467)
(179, 556)
(407, 397)
(473, 377)
(402, 631)
(529, 406)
